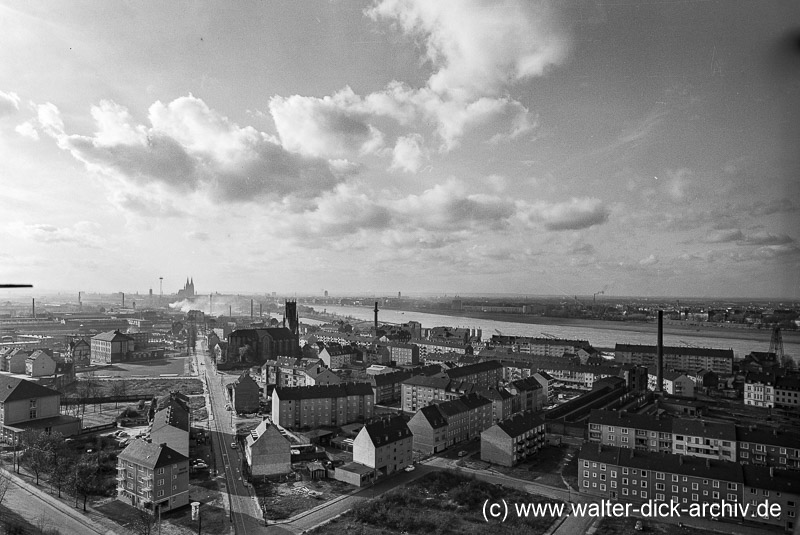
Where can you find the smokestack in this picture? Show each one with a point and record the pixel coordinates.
(251, 309)
(33, 307)
(376, 318)
(210, 304)
(123, 299)
(230, 310)
(260, 312)
(660, 353)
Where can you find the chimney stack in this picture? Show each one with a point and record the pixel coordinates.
(123, 299)
(33, 308)
(376, 318)
(660, 354)
(251, 309)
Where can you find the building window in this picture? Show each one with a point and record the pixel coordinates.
(160, 493)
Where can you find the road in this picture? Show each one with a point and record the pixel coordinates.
(44, 515)
(245, 514)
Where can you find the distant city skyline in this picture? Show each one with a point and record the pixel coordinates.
(510, 148)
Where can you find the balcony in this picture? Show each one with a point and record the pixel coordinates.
(121, 476)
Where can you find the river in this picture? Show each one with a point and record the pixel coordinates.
(598, 337)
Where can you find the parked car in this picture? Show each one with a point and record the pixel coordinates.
(409, 468)
(234, 445)
(462, 453)
(201, 466)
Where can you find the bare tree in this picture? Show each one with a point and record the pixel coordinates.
(37, 453)
(5, 482)
(143, 522)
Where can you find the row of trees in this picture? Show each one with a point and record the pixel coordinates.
(80, 474)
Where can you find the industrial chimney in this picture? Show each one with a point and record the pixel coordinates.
(251, 309)
(33, 307)
(376, 318)
(660, 354)
(123, 299)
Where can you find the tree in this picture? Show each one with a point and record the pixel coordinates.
(5, 481)
(37, 453)
(143, 522)
(85, 479)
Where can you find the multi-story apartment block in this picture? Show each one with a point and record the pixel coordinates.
(466, 417)
(28, 405)
(267, 451)
(637, 476)
(427, 347)
(244, 394)
(700, 438)
(546, 347)
(768, 447)
(429, 427)
(111, 347)
(335, 356)
(152, 476)
(385, 445)
(422, 390)
(528, 395)
(403, 354)
(787, 391)
(637, 431)
(483, 374)
(687, 359)
(759, 389)
(513, 440)
(502, 402)
(40, 364)
(378, 355)
(256, 346)
(326, 405)
(80, 352)
(170, 426)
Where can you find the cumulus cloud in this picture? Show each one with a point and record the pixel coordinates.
(189, 147)
(408, 153)
(477, 50)
(574, 214)
(478, 47)
(328, 127)
(9, 103)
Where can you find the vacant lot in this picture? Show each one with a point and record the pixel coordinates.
(181, 366)
(441, 503)
(615, 526)
(284, 500)
(146, 387)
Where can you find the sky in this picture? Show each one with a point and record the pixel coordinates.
(458, 146)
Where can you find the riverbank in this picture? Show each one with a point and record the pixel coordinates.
(670, 327)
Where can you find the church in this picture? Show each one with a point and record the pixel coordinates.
(188, 290)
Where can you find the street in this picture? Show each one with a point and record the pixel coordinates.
(245, 514)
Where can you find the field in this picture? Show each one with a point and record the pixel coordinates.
(441, 503)
(158, 387)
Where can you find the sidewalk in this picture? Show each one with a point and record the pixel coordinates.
(92, 520)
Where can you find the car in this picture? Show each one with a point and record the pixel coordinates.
(409, 468)
(234, 445)
(462, 453)
(639, 526)
(201, 466)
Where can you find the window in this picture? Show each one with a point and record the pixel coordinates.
(585, 483)
(674, 488)
(160, 482)
(694, 497)
(694, 486)
(624, 471)
(624, 480)
(160, 493)
(715, 495)
(660, 486)
(644, 473)
(585, 473)
(731, 497)
(613, 473)
(624, 491)
(731, 486)
(716, 484)
(160, 471)
(602, 467)
(643, 495)
(602, 486)
(644, 483)
(660, 497)
(660, 475)
(674, 478)
(586, 464)
(613, 484)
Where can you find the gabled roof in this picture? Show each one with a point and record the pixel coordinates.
(267, 430)
(436, 381)
(387, 430)
(520, 423)
(762, 477)
(149, 455)
(112, 336)
(480, 367)
(434, 416)
(173, 415)
(14, 389)
(528, 383)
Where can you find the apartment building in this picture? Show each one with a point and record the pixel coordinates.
(428, 347)
(528, 395)
(40, 364)
(674, 383)
(706, 439)
(384, 445)
(111, 347)
(503, 402)
(768, 446)
(769, 389)
(267, 451)
(686, 359)
(429, 427)
(513, 440)
(636, 476)
(636, 431)
(325, 405)
(152, 476)
(466, 417)
(170, 426)
(486, 374)
(28, 405)
(244, 394)
(335, 356)
(545, 347)
(403, 354)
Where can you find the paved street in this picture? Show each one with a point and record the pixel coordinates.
(245, 514)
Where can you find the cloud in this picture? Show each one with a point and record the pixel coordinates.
(189, 147)
(574, 214)
(27, 129)
(774, 206)
(408, 153)
(9, 103)
(328, 127)
(478, 48)
(81, 233)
